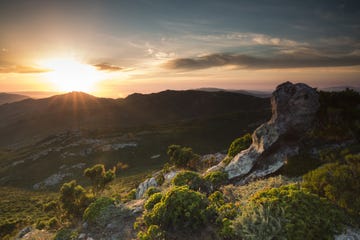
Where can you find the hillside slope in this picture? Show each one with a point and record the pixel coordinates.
(9, 98)
(79, 111)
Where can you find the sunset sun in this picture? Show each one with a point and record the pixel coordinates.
(71, 75)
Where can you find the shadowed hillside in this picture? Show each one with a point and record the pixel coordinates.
(34, 119)
(9, 98)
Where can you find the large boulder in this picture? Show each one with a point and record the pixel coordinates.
(293, 110)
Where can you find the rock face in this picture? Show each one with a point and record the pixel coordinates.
(150, 182)
(293, 110)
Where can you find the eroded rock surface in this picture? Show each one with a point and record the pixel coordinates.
(293, 110)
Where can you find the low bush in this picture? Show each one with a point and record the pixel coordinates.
(74, 199)
(338, 182)
(153, 232)
(96, 208)
(151, 190)
(239, 145)
(188, 178)
(289, 212)
(153, 199)
(214, 180)
(183, 157)
(66, 234)
(180, 209)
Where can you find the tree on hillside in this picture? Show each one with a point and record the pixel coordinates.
(99, 177)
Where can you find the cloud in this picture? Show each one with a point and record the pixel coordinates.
(107, 67)
(252, 62)
(22, 69)
(252, 39)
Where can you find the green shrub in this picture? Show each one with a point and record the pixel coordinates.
(151, 190)
(53, 223)
(214, 180)
(188, 178)
(73, 199)
(153, 233)
(153, 199)
(66, 234)
(239, 145)
(298, 165)
(180, 209)
(289, 212)
(131, 195)
(260, 222)
(99, 177)
(160, 179)
(96, 208)
(183, 157)
(40, 224)
(338, 182)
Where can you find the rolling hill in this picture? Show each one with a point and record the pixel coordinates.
(10, 97)
(36, 118)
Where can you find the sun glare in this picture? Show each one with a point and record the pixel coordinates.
(71, 75)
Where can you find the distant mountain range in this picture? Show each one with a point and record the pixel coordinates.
(10, 97)
(36, 118)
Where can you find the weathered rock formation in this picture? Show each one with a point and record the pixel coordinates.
(150, 182)
(293, 110)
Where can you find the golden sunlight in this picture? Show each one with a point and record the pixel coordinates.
(71, 75)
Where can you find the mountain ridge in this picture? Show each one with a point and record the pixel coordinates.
(78, 111)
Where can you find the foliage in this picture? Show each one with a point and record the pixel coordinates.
(153, 199)
(289, 212)
(160, 179)
(214, 180)
(153, 232)
(239, 144)
(74, 199)
(99, 177)
(96, 207)
(338, 116)
(131, 195)
(260, 222)
(151, 190)
(66, 234)
(20, 208)
(182, 157)
(188, 178)
(224, 212)
(338, 182)
(300, 164)
(180, 209)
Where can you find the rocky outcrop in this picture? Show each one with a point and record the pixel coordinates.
(293, 110)
(150, 182)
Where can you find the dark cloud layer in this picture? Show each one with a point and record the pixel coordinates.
(251, 62)
(107, 67)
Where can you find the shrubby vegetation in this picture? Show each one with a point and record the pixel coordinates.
(180, 209)
(183, 157)
(339, 182)
(74, 199)
(99, 177)
(239, 144)
(288, 212)
(188, 178)
(96, 207)
(339, 116)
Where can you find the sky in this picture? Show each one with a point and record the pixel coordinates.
(114, 48)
